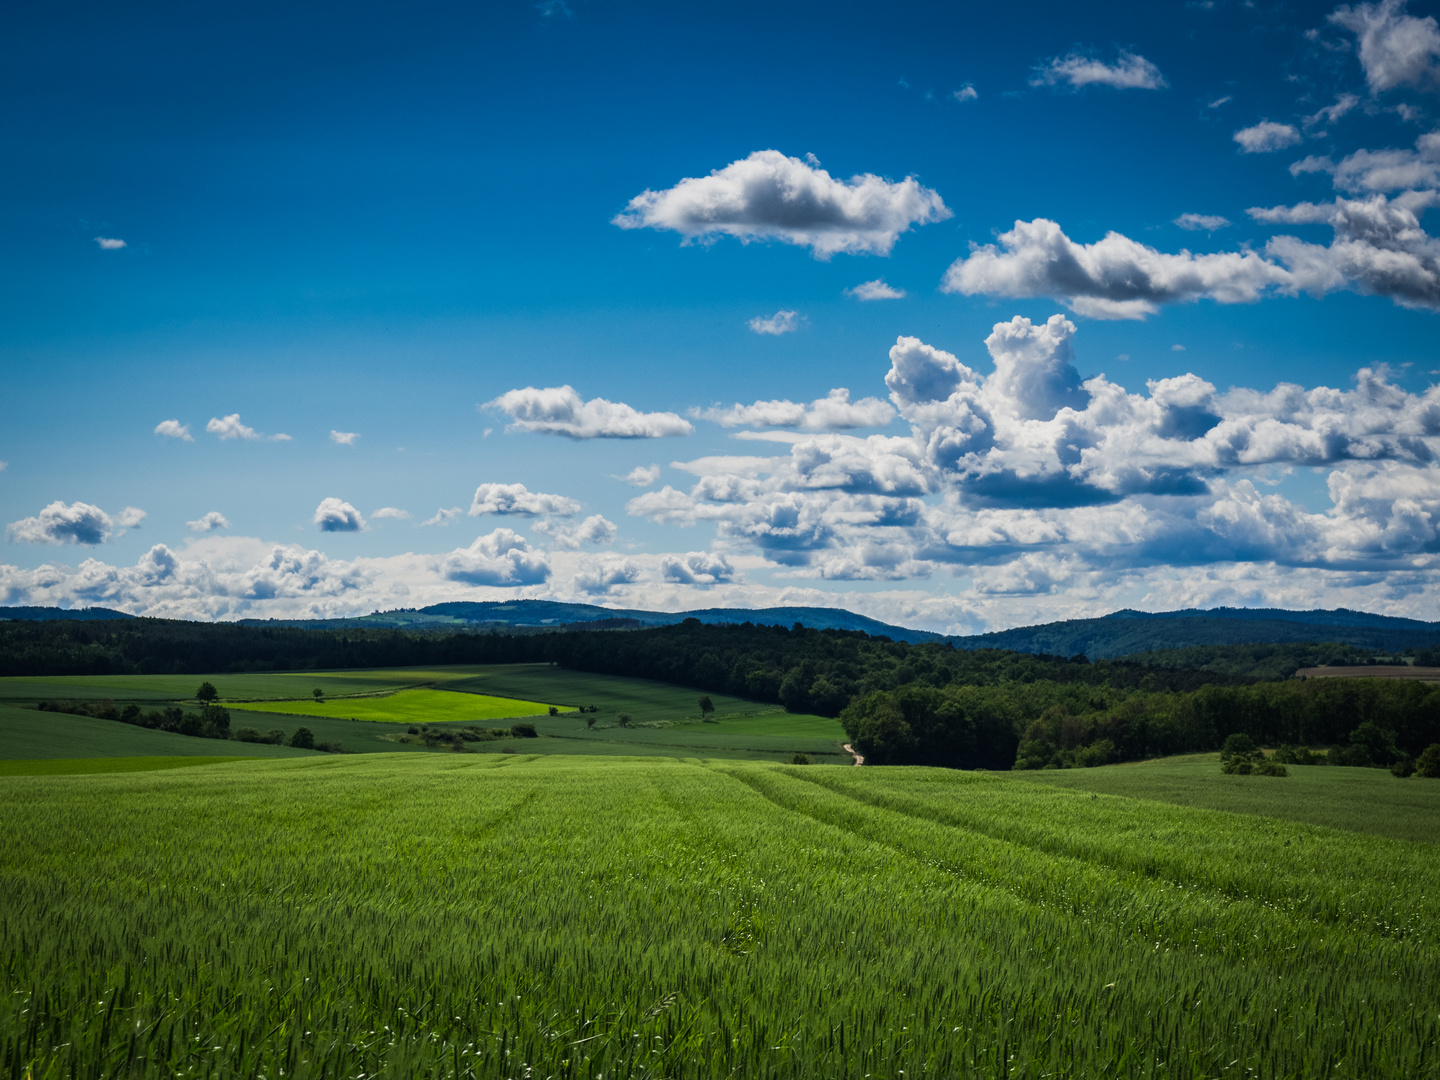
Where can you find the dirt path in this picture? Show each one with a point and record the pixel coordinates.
(859, 758)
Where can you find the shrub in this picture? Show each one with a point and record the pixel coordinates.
(624, 719)
(192, 725)
(523, 731)
(800, 759)
(329, 747)
(554, 711)
(1101, 752)
(247, 734)
(1428, 763)
(1403, 768)
(275, 737)
(303, 738)
(130, 714)
(1297, 755)
(1238, 745)
(1238, 765)
(1270, 767)
(590, 721)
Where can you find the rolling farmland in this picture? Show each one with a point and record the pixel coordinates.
(517, 915)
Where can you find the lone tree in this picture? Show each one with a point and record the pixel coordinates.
(319, 694)
(303, 739)
(624, 719)
(207, 692)
(706, 707)
(590, 721)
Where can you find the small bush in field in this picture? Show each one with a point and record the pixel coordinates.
(1428, 763)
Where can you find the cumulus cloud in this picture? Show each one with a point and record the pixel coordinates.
(1113, 278)
(518, 499)
(174, 429)
(642, 475)
(503, 558)
(834, 412)
(1202, 222)
(1396, 49)
(1266, 137)
(601, 573)
(110, 243)
(230, 427)
(769, 196)
(344, 438)
(559, 410)
(333, 515)
(77, 523)
(696, 568)
(875, 290)
(1367, 171)
(1129, 72)
(782, 322)
(208, 523)
(595, 530)
(390, 512)
(965, 93)
(1379, 248)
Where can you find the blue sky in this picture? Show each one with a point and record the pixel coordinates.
(394, 235)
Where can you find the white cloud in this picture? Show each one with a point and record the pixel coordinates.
(208, 523)
(444, 517)
(388, 512)
(559, 410)
(1367, 171)
(1379, 248)
(768, 196)
(1312, 163)
(1266, 137)
(1396, 49)
(333, 515)
(517, 499)
(966, 93)
(602, 573)
(110, 243)
(1344, 103)
(1177, 348)
(503, 558)
(1129, 72)
(875, 290)
(1113, 278)
(1220, 101)
(782, 322)
(230, 428)
(1202, 222)
(697, 568)
(642, 475)
(77, 523)
(344, 438)
(173, 429)
(595, 530)
(834, 412)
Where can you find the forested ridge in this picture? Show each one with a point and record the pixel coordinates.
(900, 703)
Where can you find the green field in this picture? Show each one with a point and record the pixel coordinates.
(508, 916)
(1364, 800)
(665, 720)
(406, 707)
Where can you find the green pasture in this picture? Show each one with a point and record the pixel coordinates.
(361, 709)
(1365, 800)
(90, 766)
(406, 707)
(26, 733)
(518, 915)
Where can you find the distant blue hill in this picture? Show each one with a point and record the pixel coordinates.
(1125, 632)
(49, 614)
(550, 614)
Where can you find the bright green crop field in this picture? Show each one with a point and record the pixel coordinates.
(429, 915)
(406, 707)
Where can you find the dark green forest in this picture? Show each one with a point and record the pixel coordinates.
(926, 703)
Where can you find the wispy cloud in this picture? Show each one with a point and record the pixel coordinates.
(1202, 222)
(782, 322)
(390, 512)
(110, 243)
(1129, 72)
(967, 92)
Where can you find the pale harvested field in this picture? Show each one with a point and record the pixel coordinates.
(1376, 671)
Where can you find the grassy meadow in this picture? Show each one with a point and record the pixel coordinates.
(518, 915)
(361, 709)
